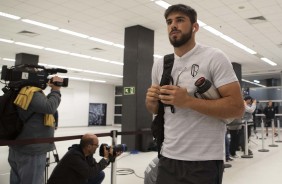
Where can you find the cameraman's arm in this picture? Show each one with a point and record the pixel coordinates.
(49, 105)
(45, 105)
(52, 85)
(252, 108)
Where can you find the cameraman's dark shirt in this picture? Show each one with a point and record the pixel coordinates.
(75, 168)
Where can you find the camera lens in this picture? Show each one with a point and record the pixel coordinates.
(116, 148)
(120, 148)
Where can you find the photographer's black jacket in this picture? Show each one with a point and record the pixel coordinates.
(75, 168)
(269, 112)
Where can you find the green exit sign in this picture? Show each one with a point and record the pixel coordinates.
(129, 90)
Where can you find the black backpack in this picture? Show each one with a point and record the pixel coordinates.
(10, 123)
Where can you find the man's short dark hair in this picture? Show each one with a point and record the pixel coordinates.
(187, 10)
(248, 98)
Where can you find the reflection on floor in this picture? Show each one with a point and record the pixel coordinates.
(264, 167)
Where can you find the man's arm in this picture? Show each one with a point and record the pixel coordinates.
(86, 168)
(229, 106)
(250, 109)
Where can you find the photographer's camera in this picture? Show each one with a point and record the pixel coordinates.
(117, 148)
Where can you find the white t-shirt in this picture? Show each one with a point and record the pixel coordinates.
(190, 135)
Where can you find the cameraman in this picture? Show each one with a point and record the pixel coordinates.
(78, 165)
(36, 110)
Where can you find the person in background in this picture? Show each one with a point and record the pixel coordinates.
(28, 161)
(269, 112)
(78, 165)
(194, 134)
(234, 128)
(227, 148)
(250, 106)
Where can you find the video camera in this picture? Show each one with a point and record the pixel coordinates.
(31, 75)
(116, 148)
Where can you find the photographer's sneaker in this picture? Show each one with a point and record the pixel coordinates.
(234, 156)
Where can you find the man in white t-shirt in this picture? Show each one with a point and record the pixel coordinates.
(194, 135)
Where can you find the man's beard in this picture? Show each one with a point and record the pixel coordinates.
(183, 39)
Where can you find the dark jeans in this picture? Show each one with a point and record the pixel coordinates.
(234, 142)
(242, 136)
(98, 179)
(172, 171)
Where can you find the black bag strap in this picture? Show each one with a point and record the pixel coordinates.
(166, 79)
(168, 64)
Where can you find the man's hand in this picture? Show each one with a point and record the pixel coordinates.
(173, 95)
(110, 155)
(53, 86)
(152, 97)
(153, 93)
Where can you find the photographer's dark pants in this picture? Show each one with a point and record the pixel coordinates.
(98, 179)
(172, 171)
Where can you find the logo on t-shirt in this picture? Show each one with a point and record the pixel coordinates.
(194, 70)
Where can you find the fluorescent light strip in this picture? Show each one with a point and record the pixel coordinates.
(80, 55)
(116, 62)
(253, 83)
(7, 41)
(100, 59)
(9, 16)
(241, 46)
(100, 40)
(74, 69)
(162, 4)
(56, 50)
(212, 30)
(201, 24)
(157, 56)
(268, 61)
(118, 45)
(102, 73)
(29, 45)
(40, 24)
(73, 33)
(8, 59)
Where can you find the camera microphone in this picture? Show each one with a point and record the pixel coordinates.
(55, 70)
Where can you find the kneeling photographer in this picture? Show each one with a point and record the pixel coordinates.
(78, 165)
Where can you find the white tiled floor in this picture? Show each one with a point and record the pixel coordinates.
(264, 167)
